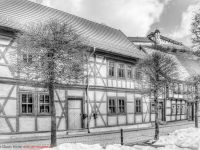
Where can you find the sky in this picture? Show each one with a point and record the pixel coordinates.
(135, 17)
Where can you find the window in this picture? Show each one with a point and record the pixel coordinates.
(121, 104)
(111, 106)
(178, 109)
(152, 107)
(173, 109)
(26, 103)
(129, 72)
(182, 109)
(27, 58)
(138, 108)
(44, 103)
(111, 69)
(121, 71)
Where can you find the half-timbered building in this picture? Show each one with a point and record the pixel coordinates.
(116, 97)
(180, 96)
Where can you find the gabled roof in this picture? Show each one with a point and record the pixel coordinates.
(140, 39)
(14, 13)
(190, 62)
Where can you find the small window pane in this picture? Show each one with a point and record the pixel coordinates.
(30, 108)
(24, 98)
(47, 109)
(41, 98)
(41, 108)
(46, 98)
(30, 98)
(24, 109)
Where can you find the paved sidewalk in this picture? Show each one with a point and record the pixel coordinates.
(104, 138)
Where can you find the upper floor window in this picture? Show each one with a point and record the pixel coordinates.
(121, 71)
(111, 106)
(138, 106)
(121, 104)
(111, 69)
(129, 72)
(27, 103)
(27, 58)
(44, 103)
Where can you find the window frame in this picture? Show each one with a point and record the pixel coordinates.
(118, 106)
(114, 66)
(38, 109)
(26, 58)
(108, 106)
(33, 103)
(127, 71)
(136, 99)
(122, 70)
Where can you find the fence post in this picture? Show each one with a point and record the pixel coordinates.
(122, 137)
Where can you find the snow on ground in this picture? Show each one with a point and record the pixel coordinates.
(189, 137)
(184, 138)
(79, 146)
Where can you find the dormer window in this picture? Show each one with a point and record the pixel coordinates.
(27, 58)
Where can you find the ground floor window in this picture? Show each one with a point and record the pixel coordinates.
(116, 106)
(138, 105)
(111, 106)
(121, 105)
(27, 103)
(44, 103)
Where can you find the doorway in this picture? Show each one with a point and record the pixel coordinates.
(190, 111)
(74, 114)
(160, 111)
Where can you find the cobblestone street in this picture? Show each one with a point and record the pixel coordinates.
(104, 139)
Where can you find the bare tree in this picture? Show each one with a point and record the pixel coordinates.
(159, 69)
(195, 80)
(49, 53)
(195, 30)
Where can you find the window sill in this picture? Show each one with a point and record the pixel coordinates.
(26, 115)
(111, 77)
(138, 113)
(43, 114)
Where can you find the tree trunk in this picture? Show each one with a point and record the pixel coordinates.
(51, 97)
(196, 106)
(53, 116)
(196, 114)
(156, 137)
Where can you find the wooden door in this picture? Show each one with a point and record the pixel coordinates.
(190, 111)
(74, 114)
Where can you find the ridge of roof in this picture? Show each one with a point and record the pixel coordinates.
(170, 40)
(99, 35)
(140, 39)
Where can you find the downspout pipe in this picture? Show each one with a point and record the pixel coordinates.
(87, 91)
